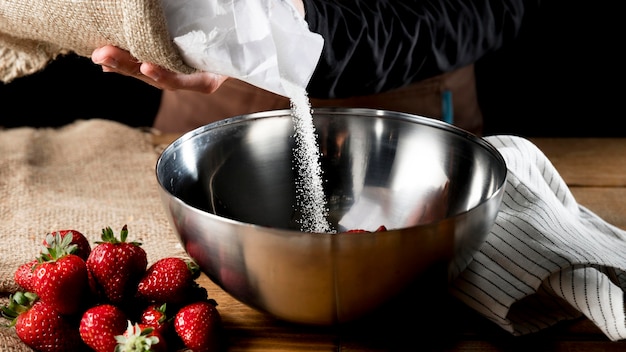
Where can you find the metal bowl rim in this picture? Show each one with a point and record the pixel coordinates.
(367, 112)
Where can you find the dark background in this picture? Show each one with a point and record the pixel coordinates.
(563, 76)
(71, 88)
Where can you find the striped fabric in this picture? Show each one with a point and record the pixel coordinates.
(547, 258)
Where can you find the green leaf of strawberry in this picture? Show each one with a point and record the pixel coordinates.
(81, 246)
(19, 303)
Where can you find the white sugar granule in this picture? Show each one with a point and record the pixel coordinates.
(310, 196)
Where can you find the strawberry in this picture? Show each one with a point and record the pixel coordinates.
(23, 276)
(198, 325)
(100, 324)
(60, 279)
(156, 316)
(81, 243)
(116, 266)
(168, 280)
(40, 326)
(380, 228)
(140, 337)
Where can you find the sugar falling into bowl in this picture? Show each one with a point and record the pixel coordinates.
(310, 196)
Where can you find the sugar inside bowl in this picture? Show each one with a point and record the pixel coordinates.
(230, 191)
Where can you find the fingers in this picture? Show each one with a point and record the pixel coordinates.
(203, 82)
(113, 59)
(117, 60)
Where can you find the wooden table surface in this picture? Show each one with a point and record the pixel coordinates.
(427, 319)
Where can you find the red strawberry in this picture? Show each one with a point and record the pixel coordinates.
(23, 276)
(156, 316)
(168, 280)
(100, 324)
(116, 266)
(199, 325)
(140, 337)
(380, 228)
(40, 326)
(60, 279)
(81, 243)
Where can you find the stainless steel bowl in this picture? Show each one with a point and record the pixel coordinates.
(229, 191)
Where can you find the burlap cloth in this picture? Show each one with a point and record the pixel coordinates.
(34, 32)
(84, 176)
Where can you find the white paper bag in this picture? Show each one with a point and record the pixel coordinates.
(262, 42)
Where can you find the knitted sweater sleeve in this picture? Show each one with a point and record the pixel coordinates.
(372, 46)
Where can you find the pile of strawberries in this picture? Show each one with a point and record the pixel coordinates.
(108, 299)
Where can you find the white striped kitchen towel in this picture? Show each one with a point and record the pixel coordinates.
(547, 258)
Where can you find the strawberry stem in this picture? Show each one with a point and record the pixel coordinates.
(124, 233)
(109, 237)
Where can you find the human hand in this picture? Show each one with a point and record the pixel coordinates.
(113, 59)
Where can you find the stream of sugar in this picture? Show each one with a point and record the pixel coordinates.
(310, 197)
